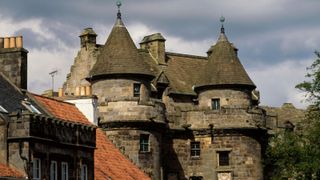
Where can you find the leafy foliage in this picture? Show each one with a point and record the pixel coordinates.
(312, 87)
(296, 154)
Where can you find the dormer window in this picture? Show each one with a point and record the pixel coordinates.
(3, 110)
(136, 89)
(30, 107)
(215, 104)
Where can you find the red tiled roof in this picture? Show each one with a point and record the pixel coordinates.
(6, 171)
(61, 110)
(110, 162)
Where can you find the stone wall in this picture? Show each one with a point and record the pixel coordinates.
(228, 98)
(13, 64)
(127, 141)
(80, 69)
(244, 155)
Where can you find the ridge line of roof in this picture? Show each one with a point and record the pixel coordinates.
(186, 55)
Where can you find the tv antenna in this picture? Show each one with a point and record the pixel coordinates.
(52, 74)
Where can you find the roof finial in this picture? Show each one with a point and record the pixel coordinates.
(119, 5)
(222, 19)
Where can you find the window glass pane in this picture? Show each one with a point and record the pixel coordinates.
(84, 172)
(144, 142)
(195, 149)
(224, 158)
(64, 171)
(136, 89)
(215, 104)
(36, 168)
(53, 170)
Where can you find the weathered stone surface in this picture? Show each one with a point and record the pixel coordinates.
(13, 64)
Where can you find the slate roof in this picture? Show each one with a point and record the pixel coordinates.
(183, 72)
(110, 162)
(120, 56)
(10, 95)
(224, 66)
(9, 172)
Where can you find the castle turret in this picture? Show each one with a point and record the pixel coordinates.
(224, 78)
(121, 79)
(13, 60)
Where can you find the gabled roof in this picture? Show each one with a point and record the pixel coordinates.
(224, 66)
(9, 172)
(109, 162)
(120, 56)
(59, 109)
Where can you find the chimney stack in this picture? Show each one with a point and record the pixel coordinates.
(14, 60)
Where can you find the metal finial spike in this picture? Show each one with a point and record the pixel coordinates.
(222, 19)
(119, 5)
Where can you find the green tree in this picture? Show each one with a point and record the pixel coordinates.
(312, 87)
(296, 154)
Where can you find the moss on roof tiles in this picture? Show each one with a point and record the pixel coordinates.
(120, 55)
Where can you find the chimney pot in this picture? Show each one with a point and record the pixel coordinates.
(83, 91)
(60, 92)
(19, 42)
(6, 43)
(77, 91)
(12, 42)
(88, 90)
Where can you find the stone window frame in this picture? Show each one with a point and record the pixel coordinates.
(215, 104)
(64, 171)
(195, 149)
(218, 151)
(144, 143)
(36, 169)
(53, 170)
(136, 89)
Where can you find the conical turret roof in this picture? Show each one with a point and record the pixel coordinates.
(224, 66)
(120, 55)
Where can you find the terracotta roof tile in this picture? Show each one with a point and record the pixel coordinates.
(61, 110)
(6, 171)
(109, 162)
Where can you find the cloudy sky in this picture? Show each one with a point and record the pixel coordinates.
(276, 38)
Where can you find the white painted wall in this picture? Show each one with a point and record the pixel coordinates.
(88, 107)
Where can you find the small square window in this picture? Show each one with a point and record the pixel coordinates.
(144, 143)
(195, 149)
(215, 104)
(223, 158)
(136, 90)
